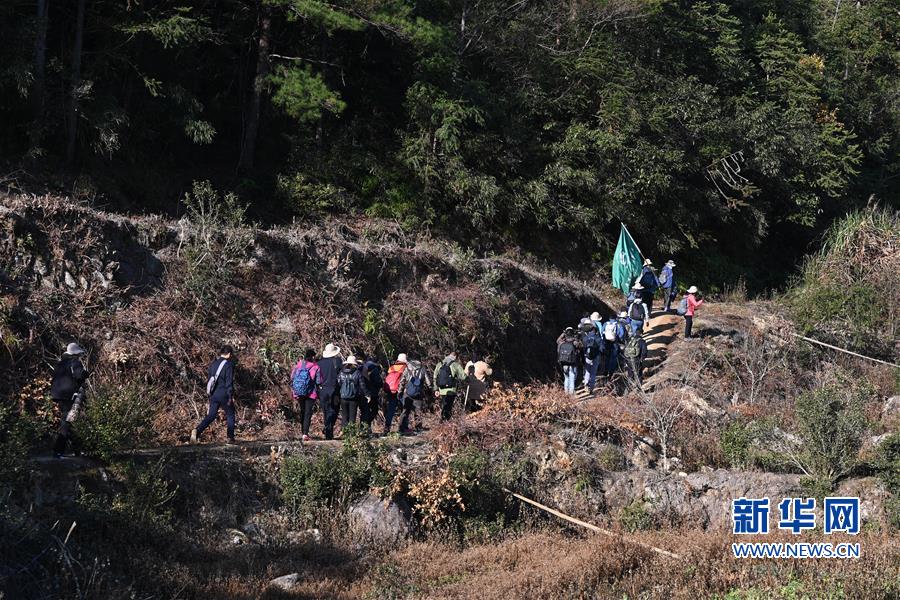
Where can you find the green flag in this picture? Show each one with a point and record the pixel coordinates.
(627, 262)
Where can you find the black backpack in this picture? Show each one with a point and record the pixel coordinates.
(347, 383)
(636, 311)
(568, 353)
(445, 377)
(593, 344)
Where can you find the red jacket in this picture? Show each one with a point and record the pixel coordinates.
(693, 303)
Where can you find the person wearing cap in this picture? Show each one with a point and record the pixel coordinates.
(638, 311)
(220, 387)
(692, 304)
(667, 281)
(392, 389)
(649, 284)
(66, 390)
(350, 389)
(448, 376)
(569, 351)
(329, 395)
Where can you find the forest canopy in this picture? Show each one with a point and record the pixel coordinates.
(731, 132)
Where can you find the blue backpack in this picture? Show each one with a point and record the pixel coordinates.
(414, 385)
(302, 383)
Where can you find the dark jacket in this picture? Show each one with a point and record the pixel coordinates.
(329, 368)
(372, 377)
(68, 376)
(224, 390)
(649, 280)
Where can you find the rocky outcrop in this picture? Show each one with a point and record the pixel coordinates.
(378, 521)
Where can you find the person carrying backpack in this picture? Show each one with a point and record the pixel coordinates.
(350, 389)
(392, 390)
(477, 384)
(220, 389)
(569, 352)
(67, 391)
(635, 353)
(690, 303)
(372, 383)
(305, 382)
(414, 384)
(594, 356)
(649, 284)
(667, 281)
(609, 332)
(638, 312)
(329, 393)
(448, 375)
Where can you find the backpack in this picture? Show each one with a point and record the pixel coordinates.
(392, 381)
(347, 383)
(414, 385)
(372, 376)
(636, 311)
(211, 383)
(302, 383)
(682, 306)
(445, 377)
(568, 353)
(632, 297)
(665, 277)
(592, 345)
(609, 331)
(633, 348)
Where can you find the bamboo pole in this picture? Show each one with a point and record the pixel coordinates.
(589, 525)
(812, 341)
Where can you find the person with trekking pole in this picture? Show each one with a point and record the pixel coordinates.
(220, 390)
(67, 391)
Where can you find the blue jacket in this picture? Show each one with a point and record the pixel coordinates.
(224, 390)
(667, 279)
(649, 280)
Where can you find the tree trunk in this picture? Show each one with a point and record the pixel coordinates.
(72, 110)
(39, 86)
(248, 147)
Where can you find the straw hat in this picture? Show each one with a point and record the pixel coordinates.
(351, 360)
(670, 263)
(401, 358)
(331, 351)
(595, 316)
(637, 286)
(74, 349)
(623, 315)
(692, 290)
(647, 262)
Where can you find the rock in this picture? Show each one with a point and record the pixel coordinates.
(644, 454)
(286, 582)
(697, 405)
(238, 537)
(891, 409)
(70, 280)
(304, 537)
(379, 521)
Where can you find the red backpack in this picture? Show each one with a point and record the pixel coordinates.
(392, 381)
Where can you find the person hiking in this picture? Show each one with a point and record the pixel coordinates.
(350, 390)
(594, 355)
(620, 330)
(372, 383)
(329, 393)
(597, 320)
(638, 311)
(569, 350)
(448, 375)
(414, 384)
(667, 282)
(477, 383)
(305, 381)
(220, 389)
(650, 284)
(392, 390)
(67, 391)
(690, 303)
(635, 353)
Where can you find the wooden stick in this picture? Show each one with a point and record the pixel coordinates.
(589, 525)
(812, 341)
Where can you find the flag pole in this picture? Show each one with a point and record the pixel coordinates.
(632, 239)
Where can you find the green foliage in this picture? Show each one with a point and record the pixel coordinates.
(887, 463)
(332, 478)
(635, 517)
(177, 29)
(303, 95)
(15, 436)
(306, 198)
(830, 424)
(117, 417)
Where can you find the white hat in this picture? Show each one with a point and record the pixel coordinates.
(351, 360)
(585, 321)
(623, 314)
(331, 351)
(647, 262)
(401, 358)
(637, 286)
(74, 349)
(595, 316)
(671, 263)
(692, 289)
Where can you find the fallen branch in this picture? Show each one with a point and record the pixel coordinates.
(589, 525)
(812, 341)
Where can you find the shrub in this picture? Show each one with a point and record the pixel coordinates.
(15, 435)
(635, 517)
(887, 463)
(117, 417)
